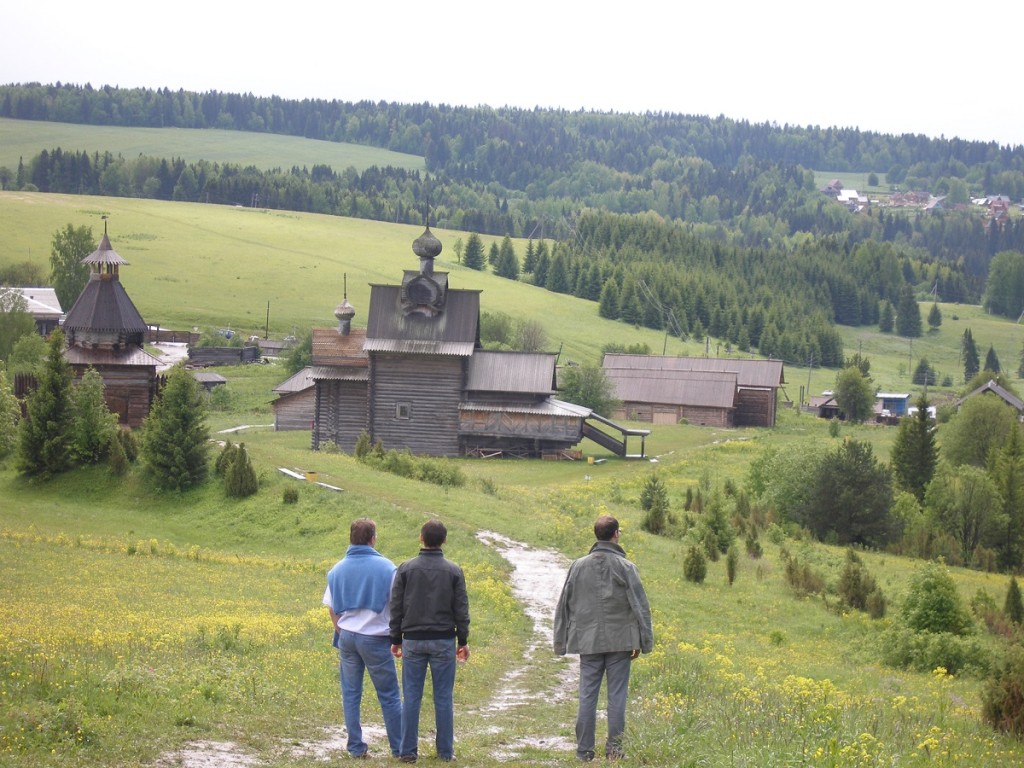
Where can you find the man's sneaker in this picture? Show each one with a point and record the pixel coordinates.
(407, 759)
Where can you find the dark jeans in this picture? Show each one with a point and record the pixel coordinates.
(594, 667)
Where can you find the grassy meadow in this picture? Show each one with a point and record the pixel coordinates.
(140, 628)
(21, 140)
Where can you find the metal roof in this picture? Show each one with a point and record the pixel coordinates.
(1002, 392)
(712, 389)
(130, 356)
(549, 406)
(40, 302)
(336, 373)
(750, 372)
(511, 372)
(298, 382)
(455, 331)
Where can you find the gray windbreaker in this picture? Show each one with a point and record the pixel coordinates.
(603, 607)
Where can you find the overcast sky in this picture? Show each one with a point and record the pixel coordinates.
(901, 67)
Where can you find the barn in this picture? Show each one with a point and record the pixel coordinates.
(710, 391)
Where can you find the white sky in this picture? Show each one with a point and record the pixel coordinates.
(902, 67)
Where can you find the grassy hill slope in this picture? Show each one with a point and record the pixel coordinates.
(138, 625)
(24, 139)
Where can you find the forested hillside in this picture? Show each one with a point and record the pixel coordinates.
(684, 223)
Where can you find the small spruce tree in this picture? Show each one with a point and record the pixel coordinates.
(240, 478)
(10, 415)
(45, 441)
(175, 434)
(1014, 607)
(224, 459)
(732, 562)
(695, 566)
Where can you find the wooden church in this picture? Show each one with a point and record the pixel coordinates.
(104, 331)
(417, 377)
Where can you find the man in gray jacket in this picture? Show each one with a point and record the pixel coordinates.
(603, 615)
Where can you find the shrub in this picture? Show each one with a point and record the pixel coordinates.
(656, 518)
(802, 578)
(240, 478)
(875, 604)
(904, 648)
(1002, 700)
(117, 459)
(754, 548)
(222, 398)
(363, 445)
(130, 444)
(1013, 608)
(440, 472)
(290, 495)
(732, 560)
(695, 566)
(225, 459)
(857, 587)
(933, 604)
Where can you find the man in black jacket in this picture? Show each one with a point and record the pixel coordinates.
(429, 610)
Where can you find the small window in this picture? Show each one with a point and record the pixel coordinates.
(403, 411)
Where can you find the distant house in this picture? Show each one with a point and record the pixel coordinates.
(209, 381)
(296, 402)
(993, 389)
(833, 188)
(888, 408)
(891, 405)
(825, 406)
(43, 305)
(724, 392)
(417, 378)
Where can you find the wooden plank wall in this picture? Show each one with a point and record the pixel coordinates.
(431, 386)
(340, 412)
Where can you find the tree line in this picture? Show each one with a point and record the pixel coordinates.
(528, 172)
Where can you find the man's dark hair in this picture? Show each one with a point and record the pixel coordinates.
(605, 527)
(362, 531)
(434, 534)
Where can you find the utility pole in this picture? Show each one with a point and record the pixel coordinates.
(810, 365)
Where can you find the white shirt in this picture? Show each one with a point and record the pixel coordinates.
(363, 621)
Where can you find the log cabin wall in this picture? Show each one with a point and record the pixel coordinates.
(415, 402)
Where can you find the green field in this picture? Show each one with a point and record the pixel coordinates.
(139, 627)
(24, 139)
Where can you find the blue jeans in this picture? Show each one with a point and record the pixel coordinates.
(439, 655)
(593, 668)
(361, 653)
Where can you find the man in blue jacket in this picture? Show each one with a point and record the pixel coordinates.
(429, 618)
(603, 615)
(357, 597)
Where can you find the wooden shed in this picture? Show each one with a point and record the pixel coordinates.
(295, 405)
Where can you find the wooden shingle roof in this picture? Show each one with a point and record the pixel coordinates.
(332, 348)
(455, 332)
(104, 306)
